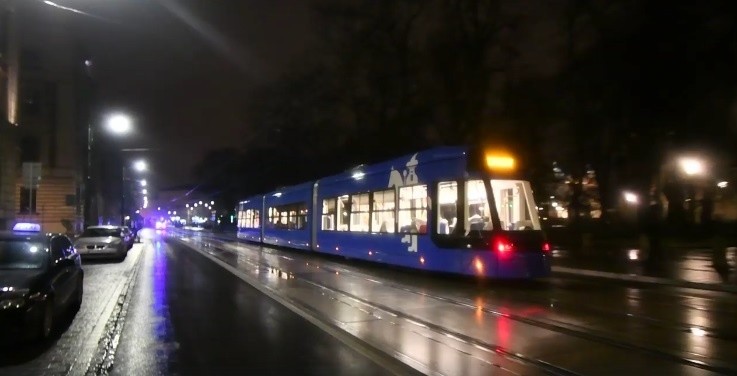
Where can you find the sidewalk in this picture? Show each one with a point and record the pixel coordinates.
(682, 267)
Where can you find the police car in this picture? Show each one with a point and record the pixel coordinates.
(40, 277)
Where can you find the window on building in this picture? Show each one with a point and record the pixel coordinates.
(383, 217)
(412, 213)
(447, 215)
(28, 200)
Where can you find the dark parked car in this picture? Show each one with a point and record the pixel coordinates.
(41, 277)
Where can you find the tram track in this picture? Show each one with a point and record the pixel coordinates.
(559, 304)
(551, 325)
(409, 320)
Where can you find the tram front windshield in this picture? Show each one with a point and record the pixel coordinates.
(512, 199)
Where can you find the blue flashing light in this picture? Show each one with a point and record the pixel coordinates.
(27, 227)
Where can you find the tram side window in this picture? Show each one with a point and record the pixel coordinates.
(248, 218)
(344, 213)
(274, 217)
(360, 212)
(477, 203)
(447, 207)
(256, 219)
(328, 214)
(412, 213)
(382, 214)
(241, 219)
(302, 217)
(289, 217)
(515, 205)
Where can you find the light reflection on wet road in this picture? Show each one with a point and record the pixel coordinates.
(190, 317)
(587, 327)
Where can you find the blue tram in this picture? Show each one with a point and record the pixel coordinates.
(451, 209)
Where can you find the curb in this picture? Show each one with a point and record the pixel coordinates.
(102, 361)
(561, 270)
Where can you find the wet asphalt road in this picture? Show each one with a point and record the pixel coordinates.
(581, 326)
(187, 316)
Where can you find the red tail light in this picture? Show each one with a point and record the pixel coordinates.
(546, 247)
(502, 245)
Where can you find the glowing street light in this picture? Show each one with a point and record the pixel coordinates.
(631, 198)
(143, 183)
(144, 191)
(692, 166)
(119, 124)
(722, 184)
(140, 166)
(212, 202)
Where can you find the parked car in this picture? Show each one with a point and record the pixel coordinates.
(41, 277)
(103, 242)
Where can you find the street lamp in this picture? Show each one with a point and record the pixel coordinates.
(692, 166)
(116, 124)
(119, 123)
(140, 165)
(143, 183)
(631, 198)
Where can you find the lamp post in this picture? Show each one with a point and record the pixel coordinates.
(139, 166)
(117, 124)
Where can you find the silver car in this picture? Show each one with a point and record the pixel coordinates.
(102, 241)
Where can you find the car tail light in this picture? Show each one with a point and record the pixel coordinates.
(546, 247)
(503, 245)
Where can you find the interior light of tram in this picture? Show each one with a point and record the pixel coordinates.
(499, 162)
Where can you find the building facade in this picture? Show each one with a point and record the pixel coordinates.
(9, 56)
(44, 120)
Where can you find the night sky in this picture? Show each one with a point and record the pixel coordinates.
(184, 69)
